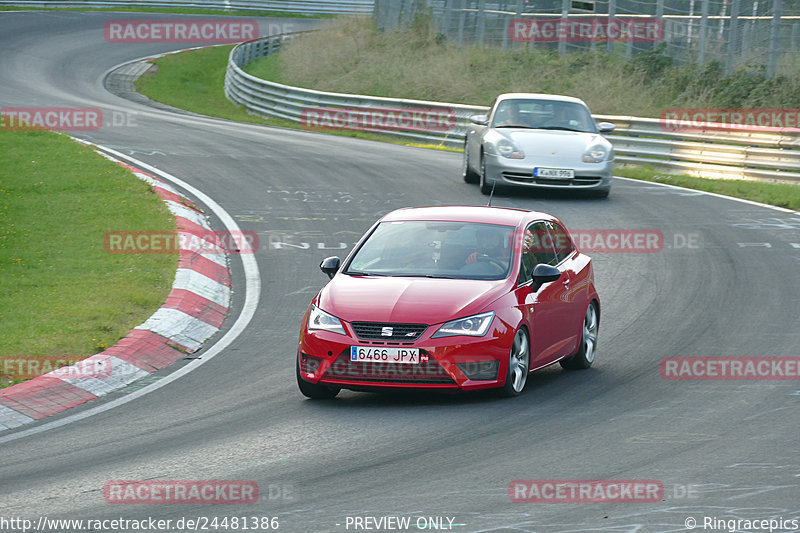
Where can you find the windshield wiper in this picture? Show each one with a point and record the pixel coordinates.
(432, 276)
(563, 128)
(358, 273)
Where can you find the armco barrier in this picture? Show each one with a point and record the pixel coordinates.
(306, 7)
(719, 152)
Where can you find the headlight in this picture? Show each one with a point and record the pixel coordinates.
(474, 326)
(595, 154)
(507, 149)
(319, 319)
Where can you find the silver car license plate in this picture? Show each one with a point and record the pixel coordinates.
(560, 173)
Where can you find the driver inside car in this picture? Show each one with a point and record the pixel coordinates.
(489, 247)
(509, 115)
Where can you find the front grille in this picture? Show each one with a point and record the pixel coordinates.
(527, 177)
(385, 331)
(582, 180)
(427, 372)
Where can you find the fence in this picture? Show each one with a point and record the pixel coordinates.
(712, 152)
(308, 7)
(733, 32)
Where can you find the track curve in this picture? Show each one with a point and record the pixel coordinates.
(734, 443)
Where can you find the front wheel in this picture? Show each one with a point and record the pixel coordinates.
(519, 362)
(485, 187)
(588, 347)
(470, 176)
(313, 390)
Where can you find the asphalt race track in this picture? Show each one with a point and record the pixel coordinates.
(724, 284)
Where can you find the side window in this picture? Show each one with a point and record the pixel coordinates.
(561, 241)
(537, 247)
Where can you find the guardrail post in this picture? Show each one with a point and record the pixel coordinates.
(733, 37)
(701, 44)
(481, 22)
(461, 18)
(774, 38)
(444, 29)
(515, 44)
(660, 17)
(562, 43)
(612, 12)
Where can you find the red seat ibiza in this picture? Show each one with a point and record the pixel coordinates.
(459, 298)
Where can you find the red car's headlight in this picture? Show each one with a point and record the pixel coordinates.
(320, 320)
(474, 326)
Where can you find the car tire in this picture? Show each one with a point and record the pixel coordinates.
(312, 390)
(486, 188)
(603, 193)
(587, 349)
(470, 176)
(519, 365)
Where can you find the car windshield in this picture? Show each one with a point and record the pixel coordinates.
(543, 115)
(435, 249)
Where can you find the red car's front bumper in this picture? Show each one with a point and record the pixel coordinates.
(456, 363)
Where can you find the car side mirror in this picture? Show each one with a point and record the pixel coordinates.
(606, 127)
(544, 274)
(480, 120)
(330, 265)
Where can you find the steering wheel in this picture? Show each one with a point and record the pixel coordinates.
(483, 258)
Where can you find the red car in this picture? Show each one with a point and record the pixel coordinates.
(450, 298)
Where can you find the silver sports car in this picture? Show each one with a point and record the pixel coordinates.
(539, 140)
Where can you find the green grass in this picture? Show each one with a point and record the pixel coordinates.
(194, 80)
(61, 293)
(779, 194)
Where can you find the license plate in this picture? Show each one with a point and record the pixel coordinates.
(374, 354)
(553, 173)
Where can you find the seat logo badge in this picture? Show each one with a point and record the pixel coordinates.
(387, 332)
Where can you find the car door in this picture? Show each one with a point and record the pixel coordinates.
(576, 291)
(546, 309)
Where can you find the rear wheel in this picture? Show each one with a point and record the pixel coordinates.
(519, 363)
(313, 390)
(470, 176)
(588, 347)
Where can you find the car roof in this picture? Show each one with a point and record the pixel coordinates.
(539, 96)
(488, 215)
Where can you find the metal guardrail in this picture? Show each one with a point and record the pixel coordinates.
(716, 152)
(309, 7)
